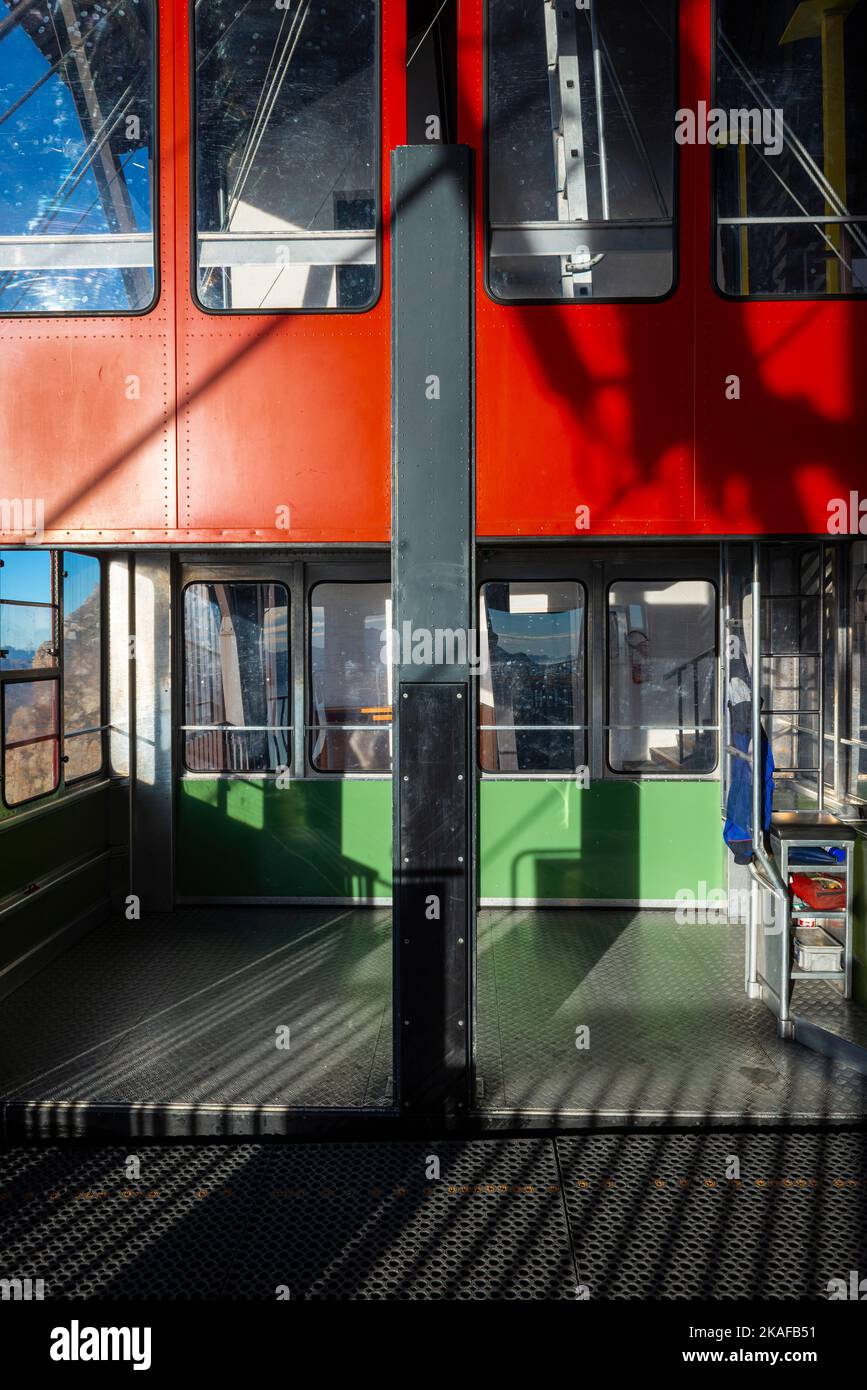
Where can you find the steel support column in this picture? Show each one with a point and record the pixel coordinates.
(432, 585)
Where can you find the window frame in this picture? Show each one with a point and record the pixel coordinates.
(299, 571)
(53, 603)
(51, 314)
(330, 574)
(103, 726)
(597, 565)
(583, 583)
(33, 678)
(725, 295)
(57, 673)
(263, 774)
(851, 743)
(517, 303)
(665, 775)
(31, 674)
(377, 191)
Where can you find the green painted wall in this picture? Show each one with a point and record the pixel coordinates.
(34, 922)
(33, 850)
(538, 839)
(309, 839)
(613, 840)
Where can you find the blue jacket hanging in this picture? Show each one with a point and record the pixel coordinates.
(738, 829)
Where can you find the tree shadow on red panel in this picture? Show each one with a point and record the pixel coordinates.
(631, 410)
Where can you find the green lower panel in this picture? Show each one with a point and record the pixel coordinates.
(239, 839)
(619, 840)
(32, 850)
(34, 922)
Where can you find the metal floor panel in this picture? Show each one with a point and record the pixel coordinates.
(672, 1033)
(622, 1216)
(655, 1216)
(817, 1001)
(353, 1221)
(184, 1007)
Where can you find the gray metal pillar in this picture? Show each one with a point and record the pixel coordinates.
(151, 821)
(432, 550)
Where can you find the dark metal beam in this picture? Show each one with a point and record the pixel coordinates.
(432, 585)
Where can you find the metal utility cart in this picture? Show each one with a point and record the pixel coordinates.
(794, 831)
(771, 970)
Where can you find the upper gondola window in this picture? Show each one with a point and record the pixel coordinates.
(788, 130)
(76, 156)
(581, 153)
(285, 105)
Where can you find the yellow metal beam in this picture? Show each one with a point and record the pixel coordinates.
(806, 22)
(742, 212)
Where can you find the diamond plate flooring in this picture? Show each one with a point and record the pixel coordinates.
(185, 1010)
(671, 1031)
(185, 1007)
(819, 1002)
(614, 1216)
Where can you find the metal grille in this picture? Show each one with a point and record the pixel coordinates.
(629, 1216)
(353, 1221)
(654, 1216)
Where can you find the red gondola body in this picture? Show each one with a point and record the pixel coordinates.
(236, 417)
(622, 408)
(618, 408)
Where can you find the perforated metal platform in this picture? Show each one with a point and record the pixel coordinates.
(613, 1216)
(323, 1221)
(663, 1217)
(672, 1034)
(185, 1007)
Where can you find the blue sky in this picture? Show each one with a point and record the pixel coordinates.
(39, 146)
(26, 575)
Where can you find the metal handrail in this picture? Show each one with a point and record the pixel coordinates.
(798, 149)
(690, 661)
(777, 889)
